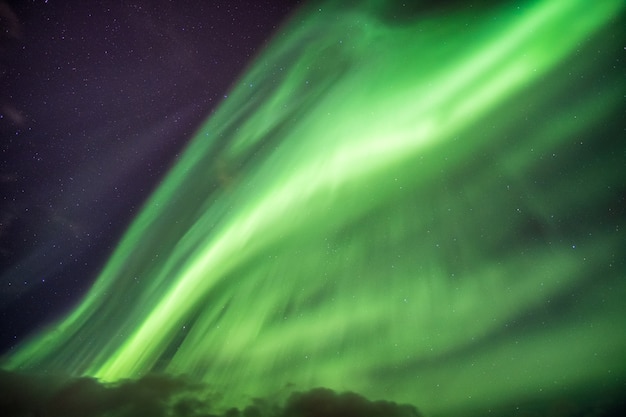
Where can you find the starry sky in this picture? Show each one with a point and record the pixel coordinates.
(363, 208)
(97, 100)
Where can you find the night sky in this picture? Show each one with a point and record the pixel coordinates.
(366, 208)
(97, 99)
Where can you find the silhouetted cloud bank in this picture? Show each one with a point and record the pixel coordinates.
(24, 395)
(39, 395)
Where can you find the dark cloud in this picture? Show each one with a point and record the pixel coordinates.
(30, 395)
(52, 396)
(322, 402)
(23, 395)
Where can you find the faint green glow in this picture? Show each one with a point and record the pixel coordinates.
(416, 211)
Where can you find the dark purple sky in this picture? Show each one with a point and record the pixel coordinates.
(97, 98)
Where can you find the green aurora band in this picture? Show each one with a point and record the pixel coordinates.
(425, 210)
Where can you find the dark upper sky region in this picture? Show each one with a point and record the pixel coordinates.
(96, 100)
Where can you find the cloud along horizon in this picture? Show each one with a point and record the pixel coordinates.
(27, 395)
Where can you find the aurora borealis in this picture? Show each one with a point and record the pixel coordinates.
(426, 210)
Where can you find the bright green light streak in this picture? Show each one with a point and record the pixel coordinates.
(331, 223)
